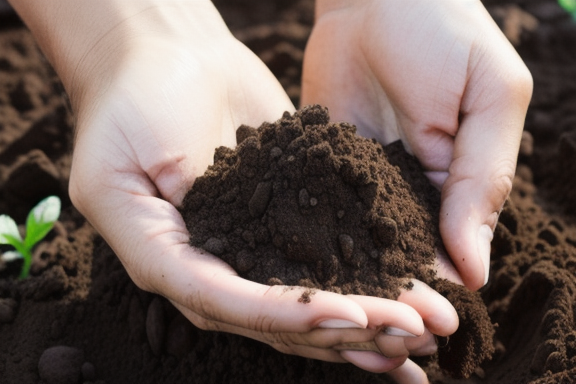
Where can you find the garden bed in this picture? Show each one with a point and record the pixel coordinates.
(80, 299)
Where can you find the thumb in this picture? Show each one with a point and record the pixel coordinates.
(479, 181)
(480, 175)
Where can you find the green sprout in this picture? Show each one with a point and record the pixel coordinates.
(40, 221)
(569, 6)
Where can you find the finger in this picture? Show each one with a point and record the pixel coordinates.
(329, 355)
(472, 198)
(318, 338)
(394, 346)
(445, 268)
(337, 339)
(438, 314)
(364, 346)
(217, 294)
(480, 180)
(372, 361)
(493, 110)
(409, 373)
(396, 318)
(424, 345)
(282, 342)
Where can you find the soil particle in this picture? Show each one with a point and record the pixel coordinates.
(306, 296)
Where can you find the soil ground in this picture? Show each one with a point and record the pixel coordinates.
(80, 299)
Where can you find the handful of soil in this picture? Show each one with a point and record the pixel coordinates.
(307, 202)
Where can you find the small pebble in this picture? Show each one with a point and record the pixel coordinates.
(7, 310)
(61, 365)
(180, 336)
(275, 152)
(156, 325)
(214, 246)
(346, 246)
(88, 372)
(245, 261)
(248, 237)
(303, 198)
(385, 232)
(260, 199)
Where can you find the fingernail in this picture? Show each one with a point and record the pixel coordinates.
(485, 236)
(338, 323)
(427, 349)
(393, 331)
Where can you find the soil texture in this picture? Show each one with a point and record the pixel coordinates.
(79, 318)
(306, 202)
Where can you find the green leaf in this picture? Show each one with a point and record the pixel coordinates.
(568, 5)
(41, 220)
(9, 231)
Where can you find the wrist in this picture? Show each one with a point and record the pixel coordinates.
(87, 42)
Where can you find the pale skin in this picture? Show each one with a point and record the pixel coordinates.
(440, 76)
(155, 87)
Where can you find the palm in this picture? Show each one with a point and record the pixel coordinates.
(151, 134)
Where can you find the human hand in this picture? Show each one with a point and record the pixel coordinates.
(154, 94)
(441, 77)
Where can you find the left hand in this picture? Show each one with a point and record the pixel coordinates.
(441, 77)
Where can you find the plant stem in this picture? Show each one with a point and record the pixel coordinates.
(27, 256)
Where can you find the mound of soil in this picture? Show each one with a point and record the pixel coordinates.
(79, 318)
(306, 202)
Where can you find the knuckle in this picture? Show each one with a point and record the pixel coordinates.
(206, 324)
(262, 324)
(83, 185)
(502, 180)
(204, 308)
(518, 86)
(281, 342)
(492, 184)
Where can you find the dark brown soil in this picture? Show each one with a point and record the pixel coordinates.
(306, 202)
(80, 299)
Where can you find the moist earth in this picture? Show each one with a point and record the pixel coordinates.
(80, 319)
(306, 202)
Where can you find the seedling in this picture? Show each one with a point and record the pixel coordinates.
(40, 221)
(569, 6)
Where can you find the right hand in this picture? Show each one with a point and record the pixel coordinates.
(442, 77)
